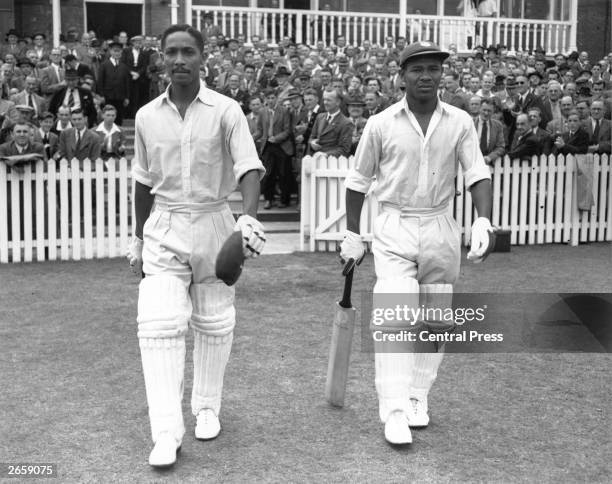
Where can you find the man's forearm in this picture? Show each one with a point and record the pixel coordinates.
(143, 202)
(354, 204)
(249, 187)
(482, 197)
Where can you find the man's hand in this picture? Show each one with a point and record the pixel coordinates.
(272, 139)
(487, 160)
(134, 254)
(352, 248)
(559, 142)
(253, 237)
(314, 144)
(481, 240)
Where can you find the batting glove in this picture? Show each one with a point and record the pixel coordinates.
(253, 237)
(352, 250)
(481, 240)
(134, 254)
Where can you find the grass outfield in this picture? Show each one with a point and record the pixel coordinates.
(73, 392)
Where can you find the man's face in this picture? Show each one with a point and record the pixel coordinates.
(30, 84)
(450, 83)
(31, 55)
(534, 118)
(554, 92)
(521, 85)
(226, 65)
(341, 42)
(583, 56)
(249, 73)
(474, 106)
(109, 117)
(255, 105)
(487, 83)
(522, 124)
(573, 122)
(325, 78)
(338, 86)
(355, 111)
(271, 100)
(597, 110)
(597, 90)
(486, 110)
(116, 53)
(371, 101)
(366, 45)
(474, 84)
(583, 109)
(559, 60)
(78, 120)
(566, 105)
(21, 134)
(63, 114)
(123, 38)
(422, 77)
(295, 63)
(534, 81)
(182, 59)
(401, 44)
(233, 82)
(330, 101)
(39, 40)
(137, 44)
(296, 102)
(354, 84)
(392, 67)
(570, 89)
(46, 124)
(310, 101)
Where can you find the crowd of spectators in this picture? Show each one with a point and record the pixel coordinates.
(300, 99)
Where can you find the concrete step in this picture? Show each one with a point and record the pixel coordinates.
(275, 214)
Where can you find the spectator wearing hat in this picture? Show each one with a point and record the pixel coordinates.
(232, 51)
(209, 29)
(234, 91)
(137, 62)
(74, 97)
(39, 41)
(284, 86)
(12, 45)
(44, 135)
(71, 62)
(114, 82)
(52, 78)
(29, 97)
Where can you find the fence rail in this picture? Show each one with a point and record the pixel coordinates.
(309, 27)
(64, 210)
(536, 200)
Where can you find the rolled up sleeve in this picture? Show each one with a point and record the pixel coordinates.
(470, 156)
(367, 157)
(140, 166)
(241, 145)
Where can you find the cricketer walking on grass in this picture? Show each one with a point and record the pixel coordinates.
(413, 149)
(192, 146)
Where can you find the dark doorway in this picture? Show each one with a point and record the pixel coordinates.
(108, 19)
(298, 4)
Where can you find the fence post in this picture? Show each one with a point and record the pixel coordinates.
(305, 201)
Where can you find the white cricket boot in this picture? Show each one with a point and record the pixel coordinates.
(208, 426)
(397, 431)
(417, 415)
(165, 450)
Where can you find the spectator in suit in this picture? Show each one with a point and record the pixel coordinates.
(137, 62)
(490, 133)
(372, 102)
(524, 144)
(52, 77)
(544, 137)
(560, 125)
(78, 142)
(20, 150)
(71, 62)
(233, 90)
(355, 109)
(74, 97)
(209, 29)
(551, 106)
(40, 48)
(111, 136)
(331, 133)
(277, 151)
(453, 94)
(254, 119)
(575, 140)
(44, 135)
(114, 82)
(598, 129)
(29, 97)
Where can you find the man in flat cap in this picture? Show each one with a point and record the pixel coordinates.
(413, 150)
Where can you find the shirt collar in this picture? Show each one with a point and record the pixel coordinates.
(204, 95)
(114, 129)
(402, 106)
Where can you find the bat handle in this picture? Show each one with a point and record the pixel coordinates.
(346, 295)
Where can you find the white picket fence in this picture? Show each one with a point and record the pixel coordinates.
(65, 210)
(536, 200)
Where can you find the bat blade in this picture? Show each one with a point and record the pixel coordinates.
(339, 355)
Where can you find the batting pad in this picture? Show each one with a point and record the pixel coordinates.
(213, 321)
(425, 366)
(393, 369)
(163, 307)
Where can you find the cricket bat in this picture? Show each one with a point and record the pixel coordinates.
(340, 350)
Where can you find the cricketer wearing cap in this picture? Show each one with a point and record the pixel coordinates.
(192, 146)
(413, 149)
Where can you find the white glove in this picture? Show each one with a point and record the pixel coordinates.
(134, 254)
(479, 245)
(253, 237)
(352, 247)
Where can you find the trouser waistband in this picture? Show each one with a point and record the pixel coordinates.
(412, 211)
(189, 207)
